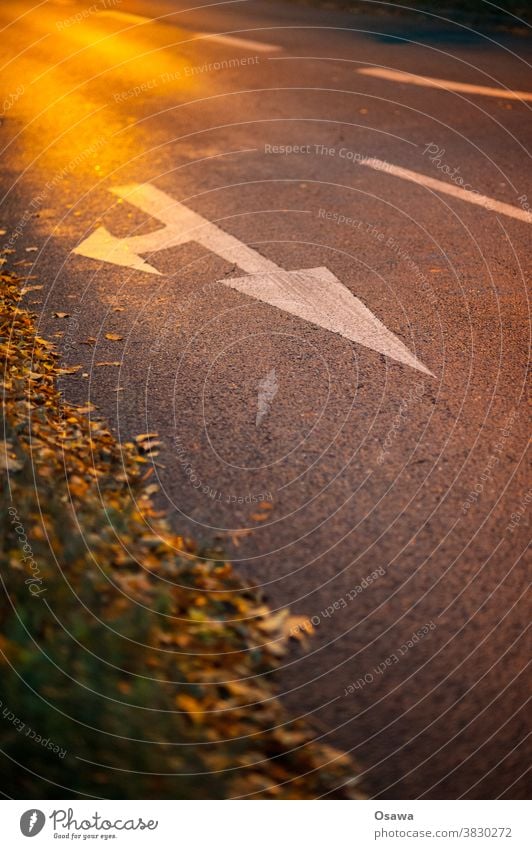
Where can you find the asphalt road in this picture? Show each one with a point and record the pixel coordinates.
(370, 467)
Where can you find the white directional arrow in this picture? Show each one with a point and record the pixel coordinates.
(314, 294)
(182, 225)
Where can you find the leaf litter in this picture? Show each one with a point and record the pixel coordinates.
(160, 639)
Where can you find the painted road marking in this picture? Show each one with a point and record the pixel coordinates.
(245, 43)
(314, 294)
(449, 85)
(449, 189)
(126, 17)
(230, 40)
(182, 225)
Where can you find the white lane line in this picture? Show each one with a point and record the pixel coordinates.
(449, 85)
(245, 43)
(126, 17)
(449, 189)
(230, 40)
(314, 294)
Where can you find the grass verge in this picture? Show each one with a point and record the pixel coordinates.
(133, 666)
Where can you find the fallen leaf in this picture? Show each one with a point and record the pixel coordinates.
(143, 436)
(114, 337)
(69, 370)
(235, 536)
(114, 363)
(191, 706)
(298, 627)
(149, 447)
(61, 315)
(31, 250)
(275, 622)
(7, 463)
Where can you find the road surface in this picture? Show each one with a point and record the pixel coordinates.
(360, 453)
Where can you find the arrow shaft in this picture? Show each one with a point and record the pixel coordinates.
(185, 225)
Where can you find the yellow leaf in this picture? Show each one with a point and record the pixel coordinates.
(190, 705)
(297, 627)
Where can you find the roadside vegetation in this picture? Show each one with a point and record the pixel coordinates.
(132, 664)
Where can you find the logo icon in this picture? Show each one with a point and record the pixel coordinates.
(32, 822)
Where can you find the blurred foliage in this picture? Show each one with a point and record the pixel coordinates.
(147, 661)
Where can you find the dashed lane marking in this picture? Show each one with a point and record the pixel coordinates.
(245, 43)
(449, 85)
(449, 189)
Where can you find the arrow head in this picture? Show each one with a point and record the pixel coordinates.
(316, 295)
(102, 245)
